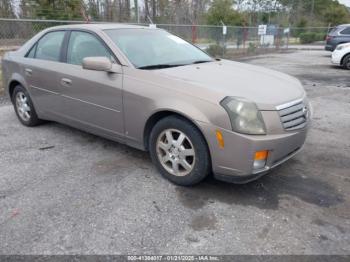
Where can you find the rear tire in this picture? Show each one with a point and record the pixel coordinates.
(179, 151)
(346, 62)
(24, 107)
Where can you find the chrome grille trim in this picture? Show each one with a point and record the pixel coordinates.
(289, 104)
(293, 115)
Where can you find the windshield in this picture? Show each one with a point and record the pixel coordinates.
(152, 49)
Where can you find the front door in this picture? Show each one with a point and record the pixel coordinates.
(91, 99)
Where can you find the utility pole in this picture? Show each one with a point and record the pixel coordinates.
(137, 10)
(312, 10)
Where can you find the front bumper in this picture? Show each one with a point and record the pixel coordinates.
(336, 57)
(234, 162)
(242, 179)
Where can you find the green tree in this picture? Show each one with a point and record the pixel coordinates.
(93, 8)
(316, 12)
(55, 9)
(222, 11)
(336, 14)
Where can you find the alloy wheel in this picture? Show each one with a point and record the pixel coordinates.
(176, 152)
(347, 63)
(23, 107)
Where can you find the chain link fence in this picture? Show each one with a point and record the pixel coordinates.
(214, 39)
(219, 41)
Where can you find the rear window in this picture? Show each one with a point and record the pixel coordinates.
(345, 31)
(333, 30)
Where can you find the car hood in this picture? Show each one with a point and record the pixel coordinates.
(267, 88)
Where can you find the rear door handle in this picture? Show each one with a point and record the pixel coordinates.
(28, 71)
(66, 82)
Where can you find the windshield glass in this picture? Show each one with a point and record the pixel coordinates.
(151, 49)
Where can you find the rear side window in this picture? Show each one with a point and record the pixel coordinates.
(346, 31)
(82, 45)
(333, 30)
(49, 46)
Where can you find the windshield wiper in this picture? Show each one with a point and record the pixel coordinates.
(160, 66)
(201, 61)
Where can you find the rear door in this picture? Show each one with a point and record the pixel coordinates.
(345, 35)
(91, 99)
(40, 68)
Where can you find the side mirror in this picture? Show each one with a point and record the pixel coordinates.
(100, 64)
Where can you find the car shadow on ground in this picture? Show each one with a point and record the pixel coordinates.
(264, 193)
(338, 68)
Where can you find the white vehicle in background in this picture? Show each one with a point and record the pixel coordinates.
(341, 55)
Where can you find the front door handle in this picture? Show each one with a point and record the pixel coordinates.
(66, 82)
(28, 71)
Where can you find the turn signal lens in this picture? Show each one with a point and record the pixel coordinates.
(220, 139)
(260, 159)
(261, 155)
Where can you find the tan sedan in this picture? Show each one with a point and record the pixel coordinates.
(154, 91)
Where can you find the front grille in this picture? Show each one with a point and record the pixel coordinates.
(294, 117)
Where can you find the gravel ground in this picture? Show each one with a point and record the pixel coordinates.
(4, 99)
(63, 191)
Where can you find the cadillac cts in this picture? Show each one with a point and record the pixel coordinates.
(156, 92)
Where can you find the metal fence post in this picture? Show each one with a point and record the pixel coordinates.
(224, 32)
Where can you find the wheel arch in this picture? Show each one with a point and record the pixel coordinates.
(12, 86)
(343, 58)
(157, 116)
(15, 80)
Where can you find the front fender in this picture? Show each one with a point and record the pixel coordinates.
(146, 94)
(191, 111)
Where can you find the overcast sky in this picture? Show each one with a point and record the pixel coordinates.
(345, 2)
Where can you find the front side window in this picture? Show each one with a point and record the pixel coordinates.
(49, 46)
(31, 53)
(147, 48)
(82, 45)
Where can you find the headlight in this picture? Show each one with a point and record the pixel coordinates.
(244, 115)
(341, 47)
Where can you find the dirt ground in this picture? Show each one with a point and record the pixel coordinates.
(63, 191)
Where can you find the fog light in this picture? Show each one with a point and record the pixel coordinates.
(259, 164)
(260, 159)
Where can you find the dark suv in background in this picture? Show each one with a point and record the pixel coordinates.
(338, 35)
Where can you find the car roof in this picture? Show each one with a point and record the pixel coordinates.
(344, 25)
(100, 26)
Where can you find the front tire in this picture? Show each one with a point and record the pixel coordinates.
(24, 107)
(346, 62)
(179, 151)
